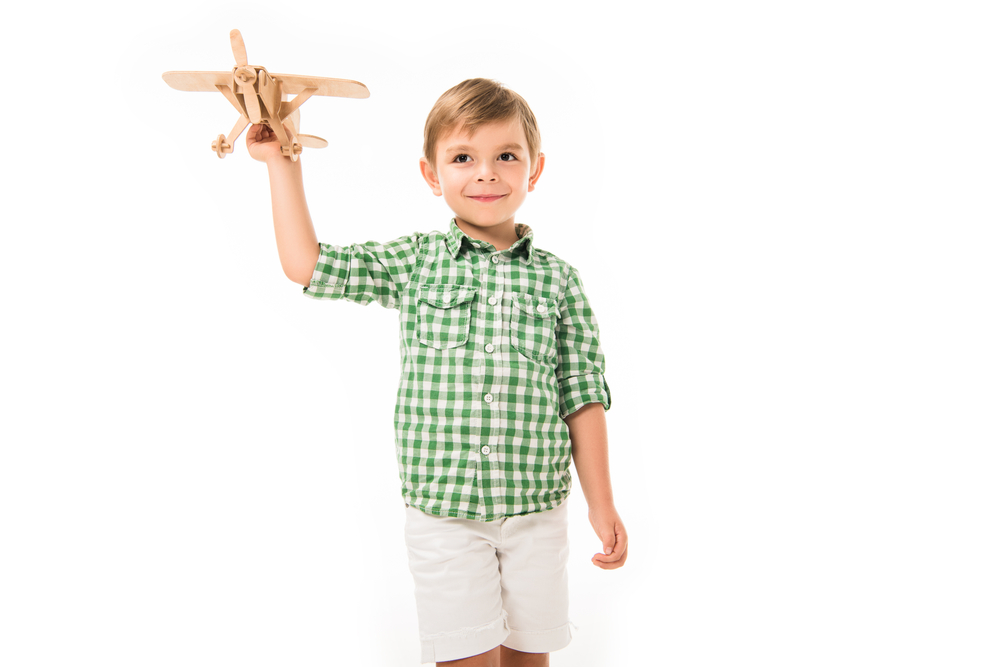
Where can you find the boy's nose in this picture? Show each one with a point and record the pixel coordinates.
(486, 173)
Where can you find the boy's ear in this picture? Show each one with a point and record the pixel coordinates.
(537, 172)
(429, 176)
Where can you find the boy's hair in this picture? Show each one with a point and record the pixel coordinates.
(473, 103)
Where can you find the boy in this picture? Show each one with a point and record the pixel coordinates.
(502, 380)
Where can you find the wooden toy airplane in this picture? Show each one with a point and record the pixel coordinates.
(262, 98)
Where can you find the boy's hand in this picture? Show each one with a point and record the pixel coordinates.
(263, 144)
(608, 527)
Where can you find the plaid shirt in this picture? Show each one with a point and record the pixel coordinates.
(497, 348)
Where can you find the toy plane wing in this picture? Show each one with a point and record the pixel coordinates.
(290, 83)
(198, 81)
(296, 83)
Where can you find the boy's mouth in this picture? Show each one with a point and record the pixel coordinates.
(486, 198)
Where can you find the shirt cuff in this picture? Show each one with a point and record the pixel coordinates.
(580, 390)
(328, 277)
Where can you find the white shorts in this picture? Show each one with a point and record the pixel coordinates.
(482, 584)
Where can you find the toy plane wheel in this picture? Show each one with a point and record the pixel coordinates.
(292, 152)
(221, 147)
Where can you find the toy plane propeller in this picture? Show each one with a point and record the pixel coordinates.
(262, 98)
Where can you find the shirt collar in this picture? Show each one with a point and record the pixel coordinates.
(524, 245)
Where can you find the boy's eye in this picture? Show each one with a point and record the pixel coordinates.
(461, 158)
(508, 157)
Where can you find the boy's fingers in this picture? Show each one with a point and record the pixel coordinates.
(612, 557)
(257, 132)
(622, 541)
(608, 550)
(618, 553)
(605, 564)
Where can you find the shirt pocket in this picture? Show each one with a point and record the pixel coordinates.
(444, 314)
(532, 327)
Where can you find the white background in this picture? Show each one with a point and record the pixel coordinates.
(785, 217)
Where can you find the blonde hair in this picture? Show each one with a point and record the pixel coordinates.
(473, 103)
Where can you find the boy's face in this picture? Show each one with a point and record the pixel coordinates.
(485, 177)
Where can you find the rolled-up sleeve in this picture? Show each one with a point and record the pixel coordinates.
(580, 370)
(365, 272)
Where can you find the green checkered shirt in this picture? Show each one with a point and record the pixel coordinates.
(497, 348)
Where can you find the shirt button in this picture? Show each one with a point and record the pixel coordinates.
(486, 450)
(489, 398)
(542, 308)
(492, 301)
(495, 259)
(489, 347)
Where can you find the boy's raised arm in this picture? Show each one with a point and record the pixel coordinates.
(298, 248)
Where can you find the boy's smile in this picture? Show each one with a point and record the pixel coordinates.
(484, 178)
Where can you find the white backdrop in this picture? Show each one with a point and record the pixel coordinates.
(785, 217)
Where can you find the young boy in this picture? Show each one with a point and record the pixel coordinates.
(502, 382)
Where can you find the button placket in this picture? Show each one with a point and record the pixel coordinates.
(492, 325)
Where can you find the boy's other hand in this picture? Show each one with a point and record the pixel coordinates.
(614, 538)
(263, 144)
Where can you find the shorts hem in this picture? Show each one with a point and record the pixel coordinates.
(544, 641)
(464, 643)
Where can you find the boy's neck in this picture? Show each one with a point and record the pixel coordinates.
(501, 236)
